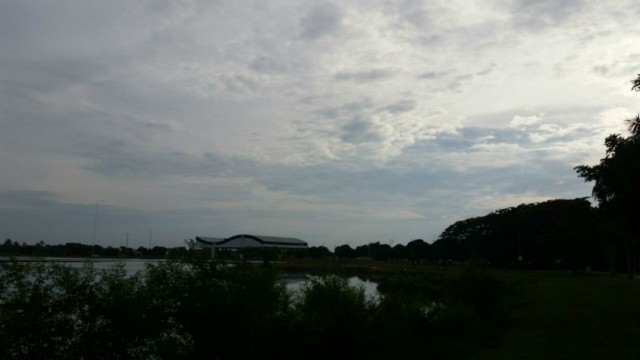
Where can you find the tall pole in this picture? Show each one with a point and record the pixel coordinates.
(95, 223)
(127, 243)
(150, 235)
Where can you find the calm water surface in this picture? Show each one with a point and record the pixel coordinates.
(293, 282)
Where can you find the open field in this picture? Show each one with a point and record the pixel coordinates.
(362, 267)
(552, 314)
(565, 316)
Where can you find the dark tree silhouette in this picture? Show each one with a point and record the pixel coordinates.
(616, 180)
(636, 83)
(344, 251)
(548, 234)
(634, 125)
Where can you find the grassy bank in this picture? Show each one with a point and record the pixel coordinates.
(566, 316)
(197, 309)
(365, 267)
(552, 314)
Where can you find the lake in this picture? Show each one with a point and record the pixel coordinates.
(293, 282)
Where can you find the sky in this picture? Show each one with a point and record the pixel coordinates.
(343, 122)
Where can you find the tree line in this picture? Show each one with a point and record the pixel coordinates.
(554, 233)
(74, 249)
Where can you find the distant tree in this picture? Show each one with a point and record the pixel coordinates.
(362, 251)
(399, 252)
(318, 252)
(344, 251)
(77, 249)
(417, 250)
(8, 246)
(379, 251)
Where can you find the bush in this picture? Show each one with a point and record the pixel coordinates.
(331, 317)
(203, 310)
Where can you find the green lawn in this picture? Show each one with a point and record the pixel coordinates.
(566, 316)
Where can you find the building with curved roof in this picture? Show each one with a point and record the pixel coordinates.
(250, 241)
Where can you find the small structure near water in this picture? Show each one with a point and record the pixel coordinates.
(249, 241)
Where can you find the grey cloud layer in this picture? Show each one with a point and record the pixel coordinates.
(298, 118)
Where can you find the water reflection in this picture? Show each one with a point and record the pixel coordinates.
(131, 266)
(294, 283)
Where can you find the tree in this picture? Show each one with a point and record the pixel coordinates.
(417, 250)
(634, 125)
(344, 251)
(617, 179)
(551, 233)
(636, 84)
(318, 252)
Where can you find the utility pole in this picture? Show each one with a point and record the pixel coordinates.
(127, 243)
(95, 223)
(150, 235)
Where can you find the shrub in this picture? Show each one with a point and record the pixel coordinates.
(203, 310)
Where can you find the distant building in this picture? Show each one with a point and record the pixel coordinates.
(249, 241)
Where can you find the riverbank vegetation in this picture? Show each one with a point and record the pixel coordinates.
(202, 310)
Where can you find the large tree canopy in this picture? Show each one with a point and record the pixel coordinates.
(617, 176)
(555, 232)
(617, 184)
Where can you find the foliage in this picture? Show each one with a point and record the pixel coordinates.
(202, 310)
(636, 84)
(344, 252)
(548, 234)
(616, 178)
(332, 317)
(72, 249)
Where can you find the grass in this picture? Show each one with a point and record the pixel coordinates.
(566, 316)
(356, 267)
(552, 315)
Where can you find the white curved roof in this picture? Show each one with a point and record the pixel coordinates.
(246, 240)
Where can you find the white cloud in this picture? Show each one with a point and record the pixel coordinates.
(612, 120)
(524, 121)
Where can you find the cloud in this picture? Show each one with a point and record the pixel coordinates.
(321, 20)
(612, 120)
(324, 120)
(345, 110)
(358, 131)
(401, 106)
(536, 14)
(364, 76)
(524, 121)
(433, 75)
(265, 64)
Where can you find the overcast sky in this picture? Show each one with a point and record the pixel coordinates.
(334, 122)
